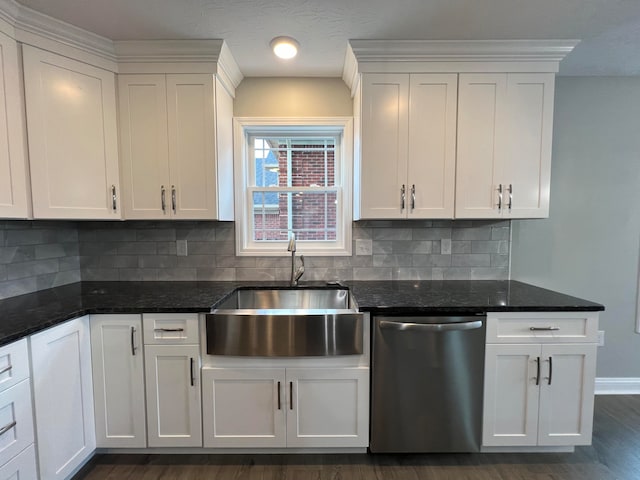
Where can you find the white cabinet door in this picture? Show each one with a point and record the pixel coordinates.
(432, 145)
(172, 378)
(118, 381)
(327, 407)
(73, 142)
(385, 127)
(192, 161)
(144, 147)
(244, 407)
(481, 116)
(505, 123)
(16, 420)
(21, 467)
(526, 172)
(566, 394)
(63, 397)
(14, 191)
(510, 395)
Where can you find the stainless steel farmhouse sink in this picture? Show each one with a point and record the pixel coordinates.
(285, 322)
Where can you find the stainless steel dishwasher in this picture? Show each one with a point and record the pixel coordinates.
(427, 384)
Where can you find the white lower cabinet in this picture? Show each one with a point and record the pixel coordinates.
(63, 398)
(16, 420)
(328, 407)
(21, 467)
(292, 407)
(172, 378)
(539, 394)
(244, 407)
(118, 381)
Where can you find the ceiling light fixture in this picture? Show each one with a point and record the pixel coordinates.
(285, 47)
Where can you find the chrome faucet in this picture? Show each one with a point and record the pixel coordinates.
(296, 273)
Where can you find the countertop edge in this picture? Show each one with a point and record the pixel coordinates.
(83, 299)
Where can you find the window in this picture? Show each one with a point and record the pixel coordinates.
(291, 178)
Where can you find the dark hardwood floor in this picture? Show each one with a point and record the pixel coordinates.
(615, 454)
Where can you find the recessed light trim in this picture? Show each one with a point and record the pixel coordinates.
(285, 47)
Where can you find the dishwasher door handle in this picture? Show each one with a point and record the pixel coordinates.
(430, 327)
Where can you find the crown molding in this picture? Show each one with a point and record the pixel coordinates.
(229, 72)
(180, 56)
(420, 56)
(165, 51)
(8, 12)
(40, 30)
(460, 50)
(147, 56)
(350, 70)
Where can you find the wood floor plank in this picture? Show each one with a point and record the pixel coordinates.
(614, 455)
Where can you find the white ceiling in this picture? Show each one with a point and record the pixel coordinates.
(609, 29)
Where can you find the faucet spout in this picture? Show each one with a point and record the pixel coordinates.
(292, 243)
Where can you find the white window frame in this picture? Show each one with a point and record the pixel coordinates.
(243, 128)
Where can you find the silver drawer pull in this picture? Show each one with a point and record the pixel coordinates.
(544, 329)
(168, 329)
(6, 369)
(7, 427)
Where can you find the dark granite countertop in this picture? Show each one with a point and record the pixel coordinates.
(26, 314)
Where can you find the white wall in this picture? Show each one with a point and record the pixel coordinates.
(292, 97)
(590, 244)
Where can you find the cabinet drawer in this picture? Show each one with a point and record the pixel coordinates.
(21, 466)
(16, 420)
(542, 327)
(170, 328)
(14, 364)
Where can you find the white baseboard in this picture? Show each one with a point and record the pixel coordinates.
(617, 386)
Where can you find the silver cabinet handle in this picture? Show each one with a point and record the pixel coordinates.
(114, 198)
(290, 395)
(402, 197)
(133, 343)
(173, 198)
(430, 327)
(538, 371)
(191, 370)
(279, 400)
(499, 197)
(8, 427)
(550, 369)
(6, 369)
(413, 197)
(510, 196)
(163, 200)
(544, 329)
(168, 329)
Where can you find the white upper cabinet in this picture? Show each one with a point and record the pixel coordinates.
(174, 132)
(14, 192)
(504, 145)
(407, 161)
(73, 144)
(452, 129)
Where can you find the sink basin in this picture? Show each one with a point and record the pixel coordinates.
(289, 322)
